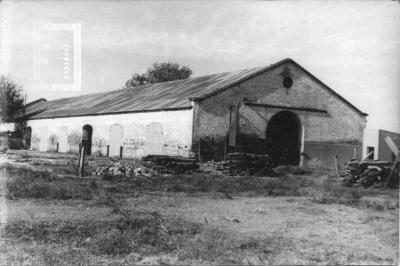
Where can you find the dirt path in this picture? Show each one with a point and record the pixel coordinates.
(320, 233)
(303, 231)
(308, 232)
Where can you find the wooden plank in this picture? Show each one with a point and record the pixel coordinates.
(337, 165)
(237, 131)
(366, 156)
(81, 164)
(286, 107)
(392, 170)
(392, 146)
(376, 163)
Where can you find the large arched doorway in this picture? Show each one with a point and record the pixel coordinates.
(284, 134)
(44, 135)
(154, 138)
(63, 139)
(87, 139)
(116, 134)
(53, 143)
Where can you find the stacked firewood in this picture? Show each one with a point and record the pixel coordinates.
(240, 164)
(368, 174)
(163, 164)
(118, 169)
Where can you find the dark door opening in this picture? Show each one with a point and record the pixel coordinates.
(27, 137)
(87, 139)
(284, 138)
(370, 152)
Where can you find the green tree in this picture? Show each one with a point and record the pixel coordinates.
(11, 99)
(159, 72)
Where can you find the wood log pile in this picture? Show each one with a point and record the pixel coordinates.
(151, 165)
(369, 174)
(240, 164)
(119, 169)
(164, 164)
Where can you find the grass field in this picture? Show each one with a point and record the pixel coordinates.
(190, 219)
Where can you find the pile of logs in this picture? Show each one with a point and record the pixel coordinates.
(240, 164)
(120, 169)
(164, 164)
(369, 174)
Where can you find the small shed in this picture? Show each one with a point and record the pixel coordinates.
(375, 147)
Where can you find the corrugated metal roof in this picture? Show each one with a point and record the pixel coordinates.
(171, 95)
(160, 96)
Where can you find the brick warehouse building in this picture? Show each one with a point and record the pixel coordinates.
(281, 110)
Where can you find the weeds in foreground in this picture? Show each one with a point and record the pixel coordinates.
(24, 182)
(329, 192)
(143, 235)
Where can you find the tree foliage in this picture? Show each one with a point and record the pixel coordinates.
(159, 72)
(11, 99)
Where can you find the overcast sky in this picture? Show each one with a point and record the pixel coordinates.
(354, 47)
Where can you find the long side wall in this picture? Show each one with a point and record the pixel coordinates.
(164, 132)
(341, 125)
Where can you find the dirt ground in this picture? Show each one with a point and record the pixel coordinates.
(298, 229)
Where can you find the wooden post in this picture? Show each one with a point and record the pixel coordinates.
(79, 160)
(225, 148)
(58, 145)
(108, 150)
(392, 170)
(392, 146)
(237, 126)
(120, 151)
(82, 162)
(199, 152)
(337, 165)
(229, 128)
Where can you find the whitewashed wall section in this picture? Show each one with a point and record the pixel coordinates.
(167, 132)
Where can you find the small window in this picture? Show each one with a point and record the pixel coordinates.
(370, 153)
(287, 82)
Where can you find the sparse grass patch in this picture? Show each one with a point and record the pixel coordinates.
(144, 235)
(288, 185)
(23, 182)
(291, 169)
(379, 204)
(330, 193)
(268, 232)
(113, 242)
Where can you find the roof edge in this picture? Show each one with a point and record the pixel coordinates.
(330, 89)
(36, 101)
(110, 113)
